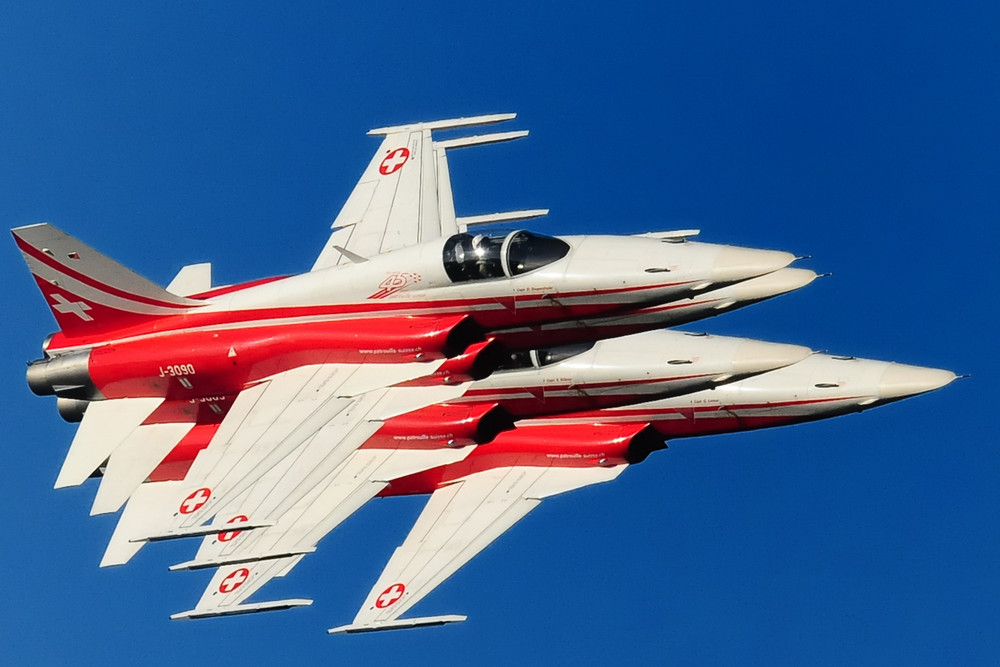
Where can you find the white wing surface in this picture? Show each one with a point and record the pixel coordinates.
(404, 196)
(248, 560)
(266, 428)
(459, 521)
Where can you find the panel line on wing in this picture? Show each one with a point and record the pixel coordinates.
(284, 426)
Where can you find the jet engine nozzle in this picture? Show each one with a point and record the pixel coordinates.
(71, 409)
(66, 375)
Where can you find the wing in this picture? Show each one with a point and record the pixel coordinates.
(247, 561)
(459, 521)
(404, 196)
(267, 424)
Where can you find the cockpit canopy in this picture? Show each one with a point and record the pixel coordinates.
(481, 257)
(522, 359)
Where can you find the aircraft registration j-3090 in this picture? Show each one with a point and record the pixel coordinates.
(415, 357)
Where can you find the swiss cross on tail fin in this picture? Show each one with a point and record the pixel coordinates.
(88, 292)
(65, 306)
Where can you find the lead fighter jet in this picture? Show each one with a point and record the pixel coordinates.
(259, 416)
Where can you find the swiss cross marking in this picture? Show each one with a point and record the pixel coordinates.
(390, 596)
(239, 518)
(394, 161)
(65, 306)
(234, 580)
(195, 501)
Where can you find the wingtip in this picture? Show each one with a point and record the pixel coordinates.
(397, 624)
(444, 124)
(241, 609)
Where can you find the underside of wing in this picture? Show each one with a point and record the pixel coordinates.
(245, 567)
(459, 521)
(266, 428)
(303, 500)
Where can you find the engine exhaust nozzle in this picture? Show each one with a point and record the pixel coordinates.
(66, 375)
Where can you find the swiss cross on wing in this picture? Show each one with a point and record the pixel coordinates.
(394, 161)
(234, 580)
(390, 596)
(232, 534)
(195, 501)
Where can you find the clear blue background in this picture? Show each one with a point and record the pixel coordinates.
(865, 133)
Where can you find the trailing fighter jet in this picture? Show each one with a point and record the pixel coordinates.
(474, 501)
(310, 498)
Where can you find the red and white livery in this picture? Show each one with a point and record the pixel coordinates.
(422, 353)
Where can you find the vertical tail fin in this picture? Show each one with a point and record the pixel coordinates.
(88, 292)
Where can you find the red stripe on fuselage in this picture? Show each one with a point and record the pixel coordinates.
(489, 312)
(229, 289)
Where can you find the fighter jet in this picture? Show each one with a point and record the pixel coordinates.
(421, 353)
(474, 501)
(566, 449)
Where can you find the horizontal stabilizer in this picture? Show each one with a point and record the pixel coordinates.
(238, 559)
(450, 124)
(202, 531)
(480, 139)
(398, 624)
(506, 216)
(106, 424)
(235, 610)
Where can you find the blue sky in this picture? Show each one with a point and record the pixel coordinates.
(862, 133)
